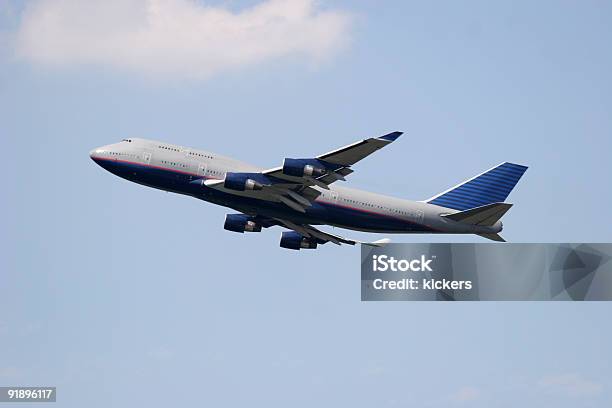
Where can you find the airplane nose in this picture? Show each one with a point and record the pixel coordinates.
(96, 154)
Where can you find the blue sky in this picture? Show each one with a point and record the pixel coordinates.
(140, 295)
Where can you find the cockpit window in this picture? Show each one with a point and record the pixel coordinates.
(127, 140)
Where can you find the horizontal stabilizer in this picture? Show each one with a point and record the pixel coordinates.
(493, 237)
(486, 215)
(378, 243)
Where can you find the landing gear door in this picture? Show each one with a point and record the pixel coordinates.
(146, 157)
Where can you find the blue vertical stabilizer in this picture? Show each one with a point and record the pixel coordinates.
(492, 186)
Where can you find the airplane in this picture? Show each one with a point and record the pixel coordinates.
(303, 193)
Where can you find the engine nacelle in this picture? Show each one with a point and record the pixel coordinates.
(240, 223)
(303, 167)
(294, 240)
(241, 182)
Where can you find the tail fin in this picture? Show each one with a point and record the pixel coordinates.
(492, 186)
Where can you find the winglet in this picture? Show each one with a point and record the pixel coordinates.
(391, 137)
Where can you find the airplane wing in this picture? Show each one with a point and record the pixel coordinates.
(293, 182)
(309, 232)
(332, 166)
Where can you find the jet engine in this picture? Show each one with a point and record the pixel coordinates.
(294, 240)
(240, 223)
(303, 167)
(241, 182)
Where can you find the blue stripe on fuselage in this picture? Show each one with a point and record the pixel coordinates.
(321, 212)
